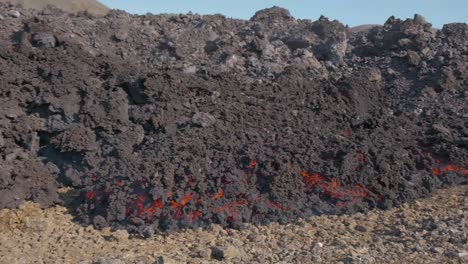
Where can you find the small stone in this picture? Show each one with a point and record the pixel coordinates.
(1, 17)
(120, 235)
(11, 115)
(37, 225)
(44, 39)
(462, 254)
(144, 260)
(14, 13)
(340, 243)
(360, 228)
(215, 95)
(413, 58)
(121, 34)
(33, 143)
(99, 221)
(224, 253)
(190, 69)
(203, 119)
(109, 260)
(15, 154)
(437, 250)
(211, 46)
(441, 130)
(164, 260)
(205, 253)
(148, 232)
(2, 140)
(404, 42)
(309, 60)
(232, 61)
(295, 113)
(375, 75)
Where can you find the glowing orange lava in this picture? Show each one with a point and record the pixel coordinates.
(345, 194)
(194, 216)
(312, 179)
(437, 171)
(90, 195)
(252, 164)
(218, 195)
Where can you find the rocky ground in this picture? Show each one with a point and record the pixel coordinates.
(425, 231)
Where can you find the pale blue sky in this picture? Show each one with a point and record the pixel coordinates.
(351, 12)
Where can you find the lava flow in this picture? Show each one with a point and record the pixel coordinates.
(331, 188)
(437, 171)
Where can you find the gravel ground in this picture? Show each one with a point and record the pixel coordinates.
(426, 231)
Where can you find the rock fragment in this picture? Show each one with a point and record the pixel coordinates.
(37, 225)
(419, 19)
(121, 34)
(14, 13)
(120, 235)
(44, 39)
(461, 254)
(360, 228)
(164, 260)
(203, 119)
(413, 58)
(108, 260)
(297, 42)
(374, 75)
(224, 253)
(438, 250)
(2, 140)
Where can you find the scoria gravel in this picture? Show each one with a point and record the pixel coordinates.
(175, 121)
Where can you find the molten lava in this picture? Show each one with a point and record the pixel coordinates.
(345, 195)
(437, 171)
(218, 195)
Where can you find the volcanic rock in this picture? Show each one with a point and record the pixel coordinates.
(2, 140)
(44, 39)
(360, 228)
(164, 260)
(272, 14)
(203, 119)
(121, 34)
(224, 253)
(120, 235)
(14, 13)
(211, 120)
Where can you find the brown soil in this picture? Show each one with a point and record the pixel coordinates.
(427, 231)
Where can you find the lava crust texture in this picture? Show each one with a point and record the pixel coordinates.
(173, 121)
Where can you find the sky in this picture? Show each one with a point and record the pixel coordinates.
(350, 12)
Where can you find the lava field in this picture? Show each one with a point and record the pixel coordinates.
(176, 121)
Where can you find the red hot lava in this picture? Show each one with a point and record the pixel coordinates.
(437, 171)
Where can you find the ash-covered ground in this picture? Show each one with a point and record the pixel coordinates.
(171, 121)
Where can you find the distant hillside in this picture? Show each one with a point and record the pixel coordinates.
(72, 6)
